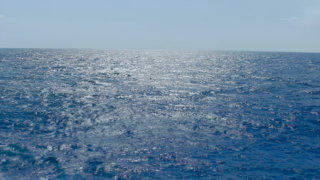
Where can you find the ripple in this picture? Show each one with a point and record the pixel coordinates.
(90, 114)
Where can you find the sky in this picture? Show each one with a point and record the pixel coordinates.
(249, 25)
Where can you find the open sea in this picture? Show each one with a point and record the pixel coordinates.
(94, 114)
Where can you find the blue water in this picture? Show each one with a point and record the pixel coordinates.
(89, 114)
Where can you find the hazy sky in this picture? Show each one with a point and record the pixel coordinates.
(281, 25)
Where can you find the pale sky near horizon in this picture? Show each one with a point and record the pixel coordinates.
(273, 25)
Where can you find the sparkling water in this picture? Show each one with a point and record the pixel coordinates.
(93, 114)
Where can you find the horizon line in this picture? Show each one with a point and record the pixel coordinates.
(162, 49)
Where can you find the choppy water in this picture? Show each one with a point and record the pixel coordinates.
(155, 114)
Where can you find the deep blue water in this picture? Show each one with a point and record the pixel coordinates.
(89, 114)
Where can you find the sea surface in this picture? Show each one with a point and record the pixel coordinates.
(94, 114)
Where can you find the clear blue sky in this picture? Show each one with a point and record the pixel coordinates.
(281, 25)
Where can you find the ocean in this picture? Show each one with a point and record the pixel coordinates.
(125, 114)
